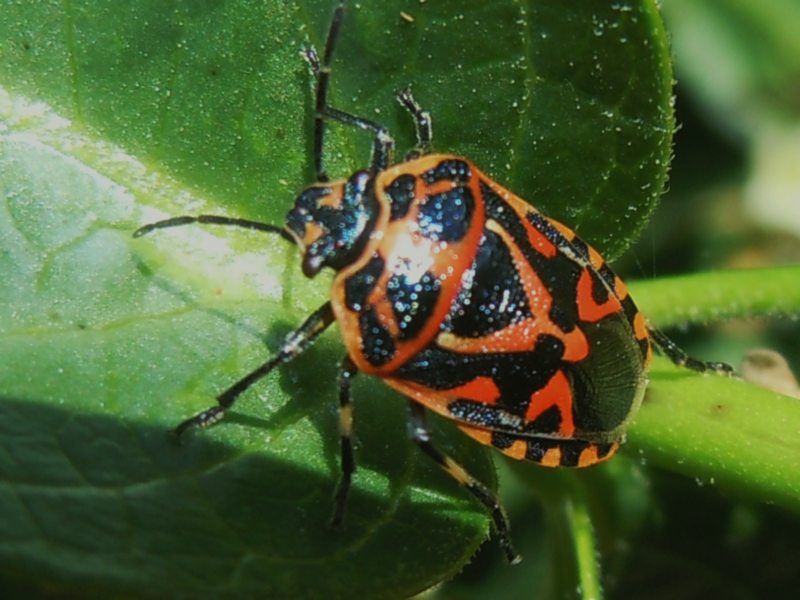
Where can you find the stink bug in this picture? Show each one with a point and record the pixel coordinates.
(466, 299)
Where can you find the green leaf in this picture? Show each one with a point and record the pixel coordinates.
(216, 94)
(112, 115)
(101, 357)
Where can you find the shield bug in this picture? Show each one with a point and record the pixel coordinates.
(466, 299)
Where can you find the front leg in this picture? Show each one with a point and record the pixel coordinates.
(294, 345)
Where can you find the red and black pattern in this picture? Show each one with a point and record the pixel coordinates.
(392, 299)
(519, 353)
(466, 299)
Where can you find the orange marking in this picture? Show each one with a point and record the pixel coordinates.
(588, 309)
(483, 436)
(334, 199)
(445, 185)
(556, 393)
(589, 456)
(480, 389)
(621, 288)
(551, 458)
(311, 234)
(539, 242)
(519, 337)
(565, 231)
(384, 313)
(537, 239)
(595, 258)
(640, 326)
(435, 400)
(576, 346)
(516, 450)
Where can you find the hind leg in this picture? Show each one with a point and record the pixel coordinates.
(422, 437)
(672, 351)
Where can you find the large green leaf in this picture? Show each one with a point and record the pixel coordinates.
(216, 93)
(112, 115)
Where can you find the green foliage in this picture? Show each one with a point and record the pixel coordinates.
(116, 114)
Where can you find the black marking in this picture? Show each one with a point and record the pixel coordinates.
(581, 247)
(413, 301)
(493, 297)
(537, 448)
(360, 284)
(503, 441)
(559, 274)
(485, 415)
(609, 277)
(401, 193)
(630, 309)
(517, 376)
(344, 228)
(604, 449)
(441, 369)
(547, 422)
(599, 289)
(450, 169)
(644, 347)
(446, 217)
(543, 225)
(377, 344)
(570, 450)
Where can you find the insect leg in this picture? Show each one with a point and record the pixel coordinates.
(672, 351)
(382, 146)
(294, 345)
(212, 220)
(347, 371)
(421, 436)
(422, 123)
(322, 72)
